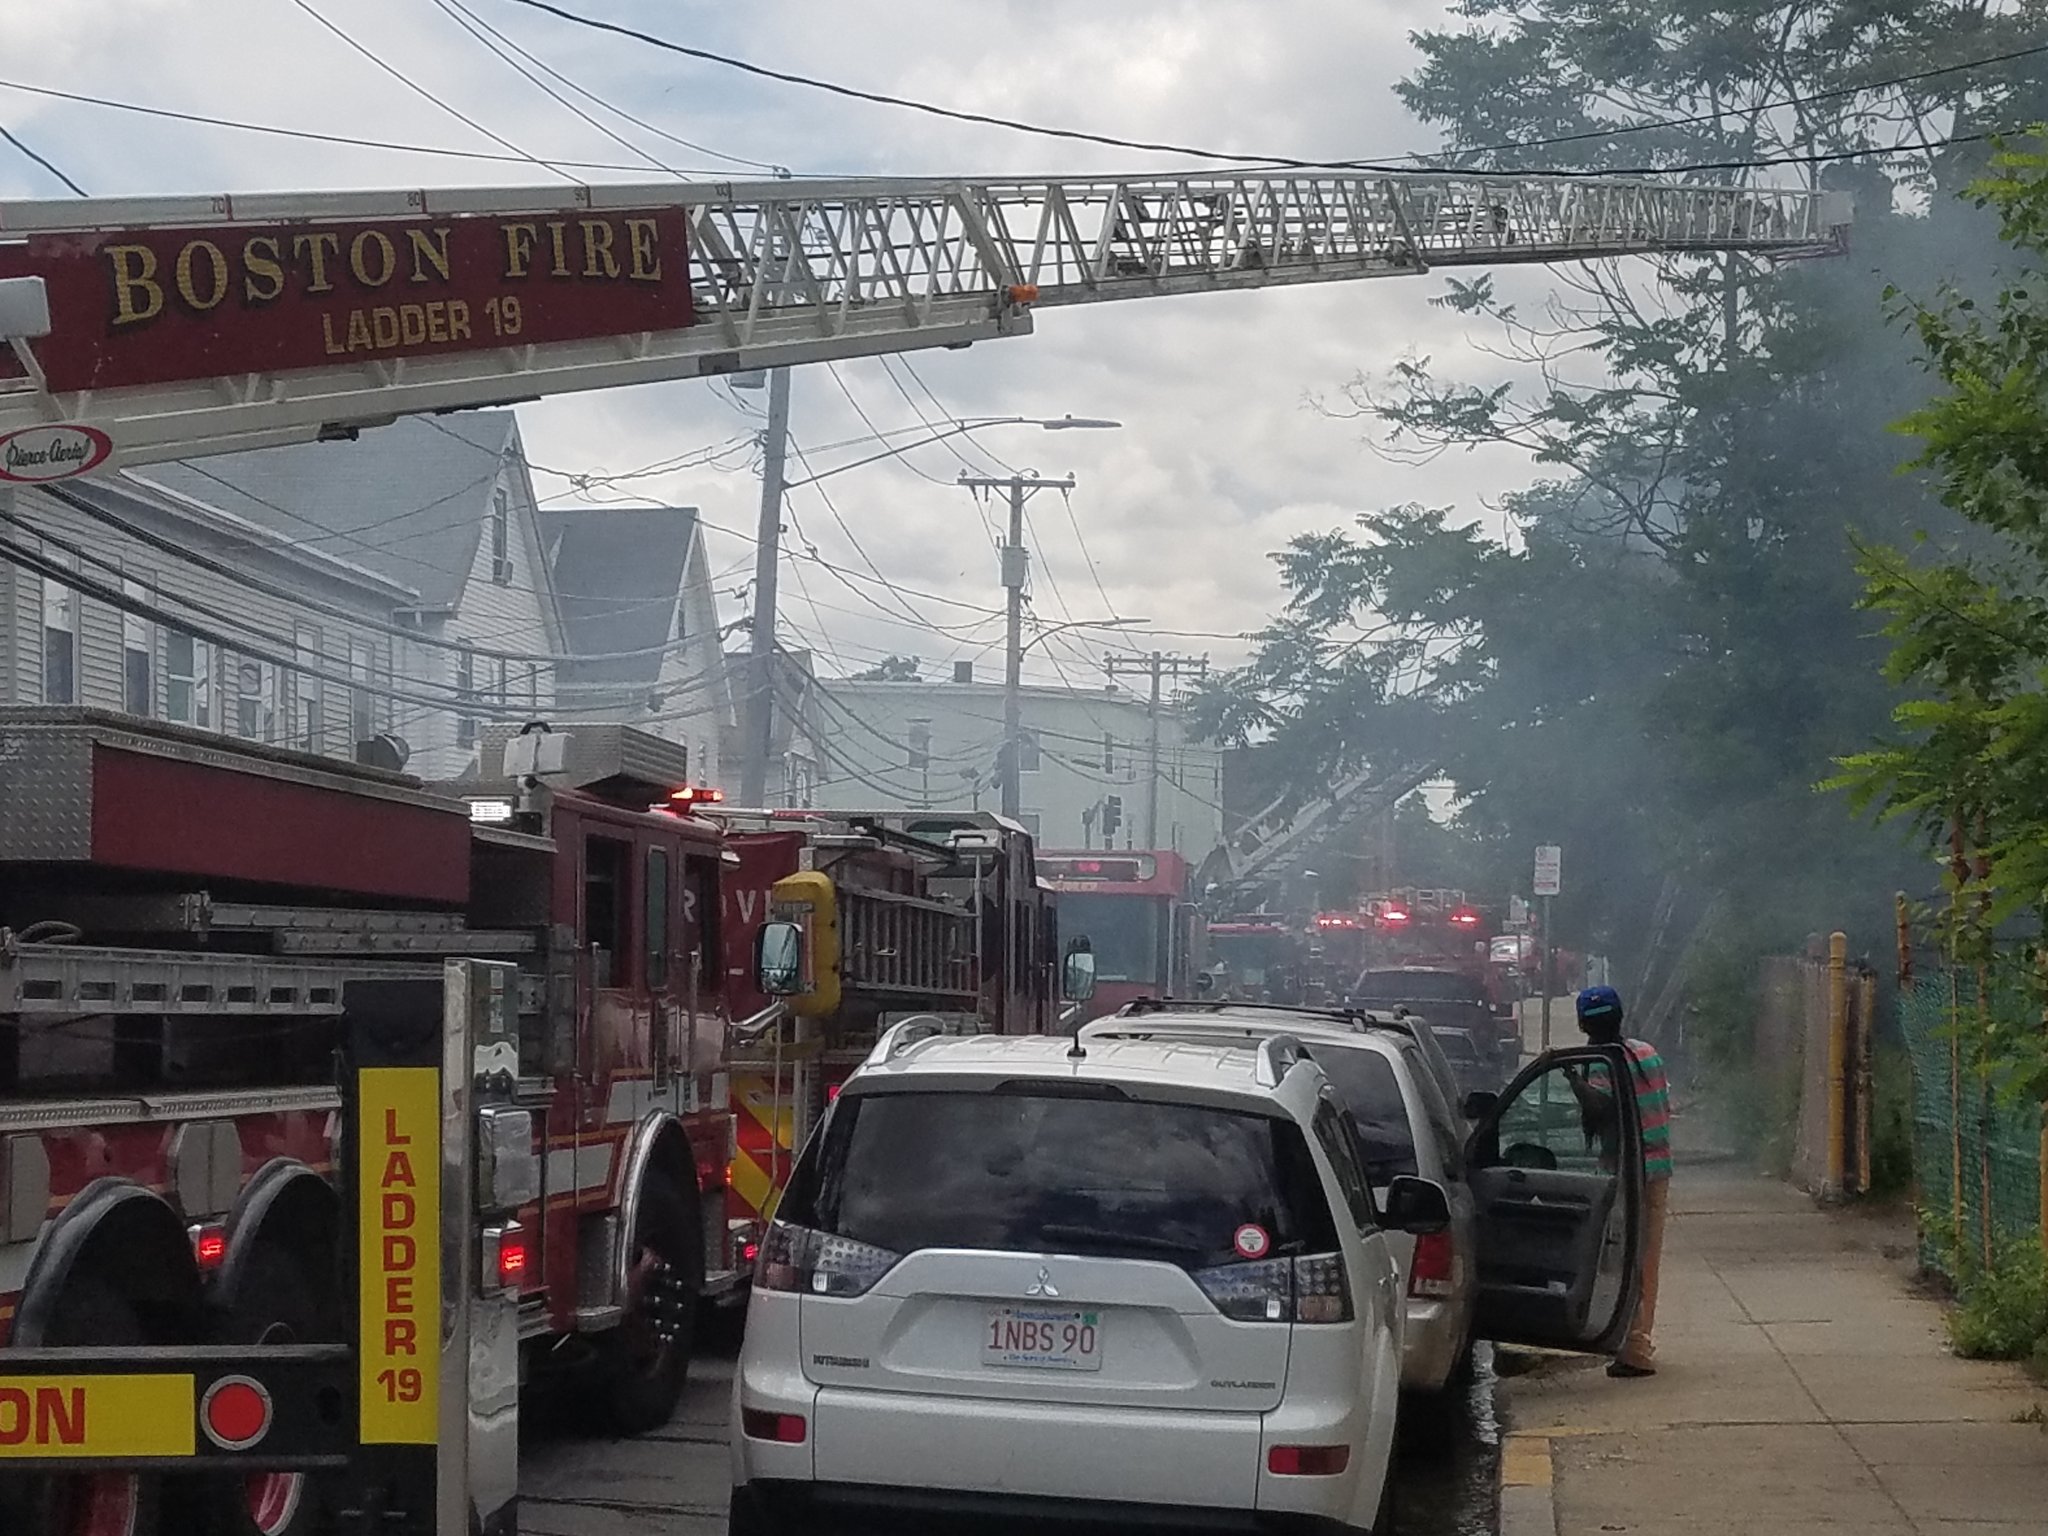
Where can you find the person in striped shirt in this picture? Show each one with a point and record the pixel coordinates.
(1600, 1017)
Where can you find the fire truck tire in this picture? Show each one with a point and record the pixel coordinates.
(89, 1311)
(647, 1357)
(276, 1304)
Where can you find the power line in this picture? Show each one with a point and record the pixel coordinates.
(476, 30)
(9, 135)
(613, 107)
(352, 140)
(1290, 162)
(423, 93)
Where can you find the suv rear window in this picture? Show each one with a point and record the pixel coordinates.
(1410, 986)
(1033, 1172)
(1366, 1084)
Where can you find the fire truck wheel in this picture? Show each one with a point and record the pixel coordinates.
(277, 1305)
(89, 1503)
(648, 1355)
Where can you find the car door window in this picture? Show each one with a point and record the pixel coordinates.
(1341, 1147)
(1436, 1112)
(1556, 1172)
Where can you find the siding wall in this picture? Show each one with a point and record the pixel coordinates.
(513, 614)
(273, 623)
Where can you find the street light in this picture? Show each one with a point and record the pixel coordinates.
(958, 429)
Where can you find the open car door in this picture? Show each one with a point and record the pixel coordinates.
(1556, 1169)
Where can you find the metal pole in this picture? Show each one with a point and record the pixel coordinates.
(1152, 759)
(761, 653)
(1015, 562)
(1549, 966)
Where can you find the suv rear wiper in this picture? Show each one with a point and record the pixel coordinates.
(1109, 1238)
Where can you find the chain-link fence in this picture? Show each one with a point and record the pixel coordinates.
(1976, 1152)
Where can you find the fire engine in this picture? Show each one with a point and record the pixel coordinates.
(181, 917)
(895, 912)
(199, 932)
(1148, 938)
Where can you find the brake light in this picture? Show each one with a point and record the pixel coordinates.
(1429, 1272)
(1308, 1460)
(782, 1428)
(1312, 1289)
(512, 1257)
(796, 1258)
(209, 1246)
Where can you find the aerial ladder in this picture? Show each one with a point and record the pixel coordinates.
(1276, 844)
(139, 330)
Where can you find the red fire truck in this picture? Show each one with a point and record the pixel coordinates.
(1148, 939)
(901, 912)
(193, 933)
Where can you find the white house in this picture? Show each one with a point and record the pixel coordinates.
(442, 507)
(313, 596)
(1083, 759)
(633, 586)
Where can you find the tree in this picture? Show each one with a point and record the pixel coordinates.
(890, 669)
(1661, 662)
(1967, 763)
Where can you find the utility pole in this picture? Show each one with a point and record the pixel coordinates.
(1158, 667)
(760, 711)
(1016, 563)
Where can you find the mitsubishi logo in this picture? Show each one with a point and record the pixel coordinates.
(1043, 1285)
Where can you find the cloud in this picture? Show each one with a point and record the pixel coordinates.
(1220, 458)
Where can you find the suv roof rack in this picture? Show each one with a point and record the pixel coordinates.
(1277, 1056)
(1357, 1016)
(899, 1037)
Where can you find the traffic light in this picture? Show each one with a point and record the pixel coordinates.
(1112, 816)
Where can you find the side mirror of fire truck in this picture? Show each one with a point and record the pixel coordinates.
(1077, 975)
(779, 960)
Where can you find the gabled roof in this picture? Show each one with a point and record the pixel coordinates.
(618, 573)
(408, 500)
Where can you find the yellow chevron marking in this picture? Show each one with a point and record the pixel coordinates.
(751, 1183)
(756, 1095)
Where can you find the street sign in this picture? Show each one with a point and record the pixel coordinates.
(1549, 869)
(1518, 913)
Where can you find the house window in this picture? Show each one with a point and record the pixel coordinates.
(188, 679)
(362, 700)
(501, 691)
(138, 655)
(1108, 753)
(465, 698)
(1027, 751)
(60, 643)
(1030, 821)
(533, 685)
(256, 684)
(920, 747)
(501, 537)
(308, 695)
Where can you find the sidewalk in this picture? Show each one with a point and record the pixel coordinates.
(1802, 1390)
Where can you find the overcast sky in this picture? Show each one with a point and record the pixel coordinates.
(1219, 460)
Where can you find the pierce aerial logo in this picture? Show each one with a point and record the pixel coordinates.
(32, 455)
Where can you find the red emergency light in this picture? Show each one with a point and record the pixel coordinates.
(685, 800)
(1465, 917)
(1087, 866)
(1394, 917)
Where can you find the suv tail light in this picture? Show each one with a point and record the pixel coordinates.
(1312, 1289)
(797, 1258)
(1308, 1460)
(1429, 1272)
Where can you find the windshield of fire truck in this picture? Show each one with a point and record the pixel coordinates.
(1127, 933)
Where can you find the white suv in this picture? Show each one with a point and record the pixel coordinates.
(1044, 1278)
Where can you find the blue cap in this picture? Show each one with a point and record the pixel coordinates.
(1599, 1004)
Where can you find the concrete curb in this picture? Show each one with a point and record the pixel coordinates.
(1528, 1503)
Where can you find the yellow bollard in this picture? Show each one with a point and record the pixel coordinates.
(1838, 1062)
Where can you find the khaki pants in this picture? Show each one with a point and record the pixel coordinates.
(1641, 1349)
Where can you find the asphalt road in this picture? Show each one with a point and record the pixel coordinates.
(674, 1482)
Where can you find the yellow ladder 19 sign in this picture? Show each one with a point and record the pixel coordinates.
(398, 1179)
